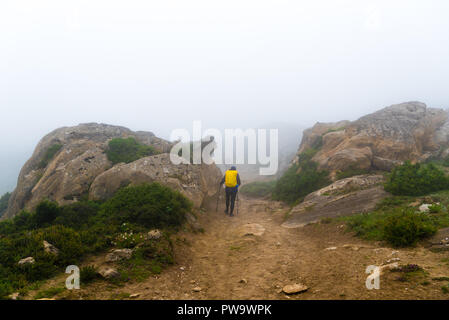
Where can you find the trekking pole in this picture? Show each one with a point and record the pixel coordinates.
(218, 197)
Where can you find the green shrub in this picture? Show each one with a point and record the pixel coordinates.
(258, 189)
(127, 150)
(150, 205)
(391, 202)
(88, 274)
(416, 179)
(46, 213)
(408, 227)
(5, 289)
(4, 203)
(301, 179)
(67, 240)
(78, 215)
(49, 154)
(87, 227)
(399, 226)
(350, 172)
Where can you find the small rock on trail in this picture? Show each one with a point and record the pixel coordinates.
(295, 288)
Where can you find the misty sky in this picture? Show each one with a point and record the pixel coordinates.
(159, 65)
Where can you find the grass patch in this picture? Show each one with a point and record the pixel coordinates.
(49, 293)
(150, 258)
(334, 130)
(350, 172)
(49, 154)
(258, 189)
(399, 226)
(128, 150)
(409, 272)
(441, 279)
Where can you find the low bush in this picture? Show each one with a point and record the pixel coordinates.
(407, 228)
(88, 274)
(149, 205)
(399, 226)
(127, 150)
(416, 179)
(301, 179)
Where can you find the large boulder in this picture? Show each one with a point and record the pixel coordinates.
(381, 140)
(80, 159)
(197, 182)
(344, 197)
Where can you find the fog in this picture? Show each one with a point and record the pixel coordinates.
(159, 65)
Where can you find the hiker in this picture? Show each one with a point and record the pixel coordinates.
(232, 182)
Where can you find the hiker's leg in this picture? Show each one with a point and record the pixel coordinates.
(228, 198)
(233, 195)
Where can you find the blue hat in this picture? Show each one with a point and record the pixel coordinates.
(233, 168)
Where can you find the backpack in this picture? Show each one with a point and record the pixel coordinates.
(231, 178)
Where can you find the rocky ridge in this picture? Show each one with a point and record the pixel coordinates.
(80, 167)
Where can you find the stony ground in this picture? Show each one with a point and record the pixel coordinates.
(250, 256)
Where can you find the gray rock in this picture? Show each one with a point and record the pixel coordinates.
(424, 207)
(109, 273)
(203, 178)
(154, 234)
(295, 288)
(119, 254)
(344, 197)
(49, 248)
(28, 260)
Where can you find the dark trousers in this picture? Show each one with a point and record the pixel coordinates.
(231, 194)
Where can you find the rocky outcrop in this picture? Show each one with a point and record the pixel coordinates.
(196, 182)
(344, 197)
(80, 167)
(407, 131)
(119, 254)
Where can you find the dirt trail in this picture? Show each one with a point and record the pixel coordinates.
(227, 264)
